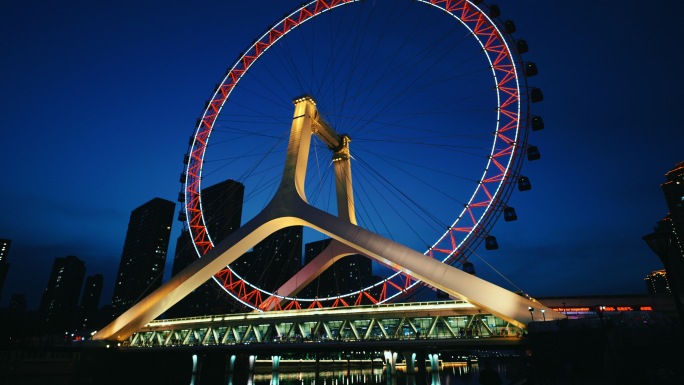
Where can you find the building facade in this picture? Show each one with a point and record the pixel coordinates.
(222, 208)
(348, 274)
(5, 245)
(58, 306)
(90, 301)
(667, 240)
(141, 269)
(274, 260)
(656, 282)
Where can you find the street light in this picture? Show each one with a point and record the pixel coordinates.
(544, 314)
(531, 309)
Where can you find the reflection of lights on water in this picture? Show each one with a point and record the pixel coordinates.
(194, 369)
(330, 377)
(450, 371)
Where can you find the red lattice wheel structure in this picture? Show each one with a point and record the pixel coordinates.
(434, 98)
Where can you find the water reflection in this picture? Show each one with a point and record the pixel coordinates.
(322, 377)
(456, 374)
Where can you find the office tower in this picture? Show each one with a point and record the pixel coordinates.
(673, 189)
(222, 208)
(58, 306)
(144, 253)
(667, 241)
(17, 302)
(348, 274)
(4, 265)
(4, 248)
(274, 260)
(90, 301)
(656, 282)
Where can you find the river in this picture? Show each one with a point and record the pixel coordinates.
(456, 373)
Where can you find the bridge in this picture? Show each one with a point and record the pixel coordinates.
(453, 322)
(413, 333)
(289, 207)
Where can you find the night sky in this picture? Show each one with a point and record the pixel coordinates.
(98, 101)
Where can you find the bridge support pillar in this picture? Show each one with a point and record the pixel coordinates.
(231, 363)
(391, 362)
(434, 362)
(410, 359)
(195, 365)
(252, 361)
(276, 363)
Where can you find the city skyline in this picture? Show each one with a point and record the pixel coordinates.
(96, 123)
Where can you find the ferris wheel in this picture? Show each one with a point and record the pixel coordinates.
(432, 97)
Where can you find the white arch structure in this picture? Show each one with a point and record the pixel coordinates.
(289, 207)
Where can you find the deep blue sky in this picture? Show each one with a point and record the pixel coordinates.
(97, 102)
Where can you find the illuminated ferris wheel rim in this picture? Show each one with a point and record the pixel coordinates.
(481, 203)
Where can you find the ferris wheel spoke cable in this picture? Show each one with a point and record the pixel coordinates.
(292, 67)
(355, 60)
(366, 219)
(367, 210)
(397, 193)
(401, 94)
(391, 72)
(392, 161)
(415, 176)
(473, 252)
(321, 174)
(407, 224)
(423, 130)
(419, 142)
(359, 58)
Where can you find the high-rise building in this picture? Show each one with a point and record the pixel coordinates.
(667, 241)
(92, 291)
(18, 302)
(90, 301)
(673, 189)
(222, 208)
(4, 265)
(58, 306)
(4, 248)
(656, 282)
(348, 274)
(144, 253)
(274, 260)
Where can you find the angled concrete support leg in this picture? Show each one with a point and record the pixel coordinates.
(289, 207)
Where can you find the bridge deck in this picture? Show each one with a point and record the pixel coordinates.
(408, 323)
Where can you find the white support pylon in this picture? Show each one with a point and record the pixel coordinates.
(289, 207)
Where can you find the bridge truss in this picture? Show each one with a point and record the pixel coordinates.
(402, 321)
